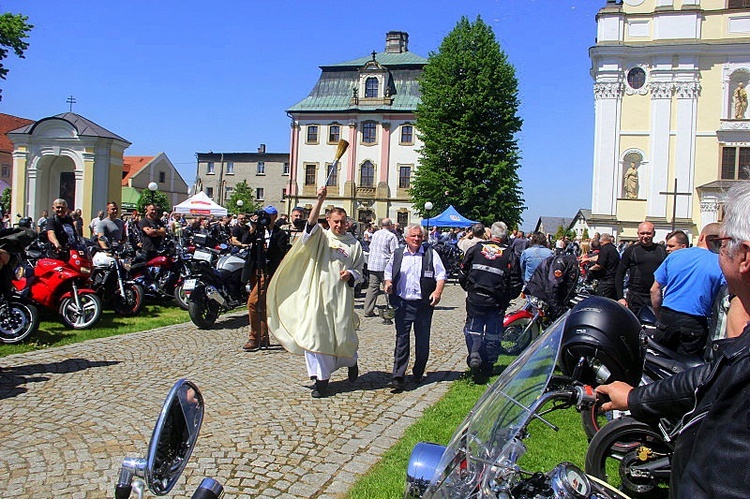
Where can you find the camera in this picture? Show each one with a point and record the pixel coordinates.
(262, 218)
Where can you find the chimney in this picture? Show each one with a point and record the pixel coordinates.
(262, 149)
(396, 42)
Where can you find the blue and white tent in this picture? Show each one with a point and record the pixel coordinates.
(449, 218)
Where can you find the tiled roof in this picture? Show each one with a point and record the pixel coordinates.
(389, 59)
(84, 126)
(8, 123)
(333, 91)
(132, 165)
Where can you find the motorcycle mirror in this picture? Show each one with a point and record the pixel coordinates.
(172, 442)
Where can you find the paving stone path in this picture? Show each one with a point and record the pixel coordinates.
(71, 414)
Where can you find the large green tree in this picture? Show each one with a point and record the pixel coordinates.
(13, 30)
(468, 120)
(242, 192)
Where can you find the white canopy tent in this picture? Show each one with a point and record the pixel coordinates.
(200, 204)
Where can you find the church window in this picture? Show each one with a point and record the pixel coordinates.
(312, 134)
(310, 174)
(371, 88)
(367, 175)
(735, 163)
(334, 133)
(407, 134)
(636, 78)
(368, 132)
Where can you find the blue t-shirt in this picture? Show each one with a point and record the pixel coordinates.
(690, 279)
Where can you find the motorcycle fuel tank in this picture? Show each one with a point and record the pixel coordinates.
(230, 263)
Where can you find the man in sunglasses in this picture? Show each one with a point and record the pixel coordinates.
(684, 289)
(712, 452)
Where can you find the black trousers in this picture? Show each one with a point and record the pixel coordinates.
(684, 333)
(418, 315)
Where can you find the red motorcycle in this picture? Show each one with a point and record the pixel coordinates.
(63, 285)
(523, 325)
(163, 276)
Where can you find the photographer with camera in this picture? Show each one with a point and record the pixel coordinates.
(269, 243)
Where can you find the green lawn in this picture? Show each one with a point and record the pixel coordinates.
(546, 447)
(52, 332)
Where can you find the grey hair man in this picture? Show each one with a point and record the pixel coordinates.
(491, 276)
(712, 452)
(416, 277)
(475, 235)
(382, 245)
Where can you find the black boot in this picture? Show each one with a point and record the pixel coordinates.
(321, 389)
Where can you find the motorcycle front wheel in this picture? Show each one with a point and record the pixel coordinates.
(87, 316)
(18, 321)
(180, 297)
(202, 309)
(130, 304)
(630, 455)
(518, 335)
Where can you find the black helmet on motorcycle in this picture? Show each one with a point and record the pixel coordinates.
(602, 343)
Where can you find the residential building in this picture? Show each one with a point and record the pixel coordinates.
(8, 123)
(369, 102)
(139, 171)
(267, 175)
(671, 131)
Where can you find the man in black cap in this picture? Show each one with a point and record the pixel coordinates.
(268, 247)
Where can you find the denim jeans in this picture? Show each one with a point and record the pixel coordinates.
(482, 333)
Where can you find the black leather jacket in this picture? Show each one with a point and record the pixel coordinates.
(712, 452)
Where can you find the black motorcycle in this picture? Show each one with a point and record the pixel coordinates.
(212, 290)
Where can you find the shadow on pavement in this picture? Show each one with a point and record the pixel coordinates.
(380, 380)
(12, 379)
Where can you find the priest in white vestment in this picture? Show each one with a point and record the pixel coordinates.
(311, 297)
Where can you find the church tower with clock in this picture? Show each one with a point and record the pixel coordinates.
(672, 128)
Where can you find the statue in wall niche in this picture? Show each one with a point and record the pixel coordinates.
(630, 182)
(740, 102)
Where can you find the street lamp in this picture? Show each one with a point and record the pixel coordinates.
(153, 186)
(240, 203)
(427, 207)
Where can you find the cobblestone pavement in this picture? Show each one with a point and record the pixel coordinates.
(71, 414)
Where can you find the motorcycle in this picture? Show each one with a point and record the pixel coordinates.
(640, 453)
(213, 290)
(62, 284)
(110, 280)
(172, 441)
(522, 326)
(161, 276)
(481, 460)
(18, 317)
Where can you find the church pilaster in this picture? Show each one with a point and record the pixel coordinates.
(661, 109)
(607, 102)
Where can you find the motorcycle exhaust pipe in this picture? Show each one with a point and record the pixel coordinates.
(214, 294)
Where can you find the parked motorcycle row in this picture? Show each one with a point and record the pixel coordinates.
(83, 278)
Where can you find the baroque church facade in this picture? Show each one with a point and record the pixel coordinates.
(672, 129)
(370, 102)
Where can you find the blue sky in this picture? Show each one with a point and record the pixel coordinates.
(195, 76)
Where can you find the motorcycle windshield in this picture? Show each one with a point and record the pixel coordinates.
(486, 438)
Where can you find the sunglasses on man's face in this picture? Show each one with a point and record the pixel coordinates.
(715, 243)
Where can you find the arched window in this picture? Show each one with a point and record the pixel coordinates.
(371, 87)
(367, 175)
